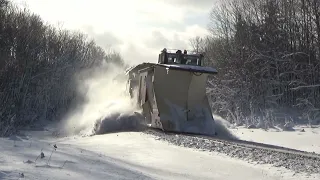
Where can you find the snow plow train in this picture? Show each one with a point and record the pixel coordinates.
(172, 92)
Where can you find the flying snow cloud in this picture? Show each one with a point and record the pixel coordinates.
(138, 29)
(108, 106)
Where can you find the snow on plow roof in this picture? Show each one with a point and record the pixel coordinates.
(139, 66)
(202, 69)
(183, 67)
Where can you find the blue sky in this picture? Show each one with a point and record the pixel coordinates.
(138, 29)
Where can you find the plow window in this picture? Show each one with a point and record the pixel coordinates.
(172, 59)
(186, 59)
(193, 61)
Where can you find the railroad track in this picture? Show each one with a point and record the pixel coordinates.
(241, 143)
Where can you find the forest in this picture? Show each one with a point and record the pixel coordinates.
(38, 63)
(267, 53)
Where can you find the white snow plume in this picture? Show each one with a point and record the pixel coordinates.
(221, 127)
(108, 106)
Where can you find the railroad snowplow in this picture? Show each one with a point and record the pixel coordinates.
(172, 92)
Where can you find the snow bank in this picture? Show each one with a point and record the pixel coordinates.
(118, 122)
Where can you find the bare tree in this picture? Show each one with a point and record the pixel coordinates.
(38, 64)
(267, 53)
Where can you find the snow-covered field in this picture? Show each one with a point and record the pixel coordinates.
(127, 155)
(307, 140)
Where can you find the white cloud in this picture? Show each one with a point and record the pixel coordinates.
(139, 29)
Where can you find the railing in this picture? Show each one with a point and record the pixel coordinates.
(173, 51)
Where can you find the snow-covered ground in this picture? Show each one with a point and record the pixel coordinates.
(309, 140)
(127, 155)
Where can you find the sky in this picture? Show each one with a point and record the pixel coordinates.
(138, 29)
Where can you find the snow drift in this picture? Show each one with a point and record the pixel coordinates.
(117, 122)
(107, 108)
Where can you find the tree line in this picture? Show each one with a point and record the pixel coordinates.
(267, 53)
(38, 63)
